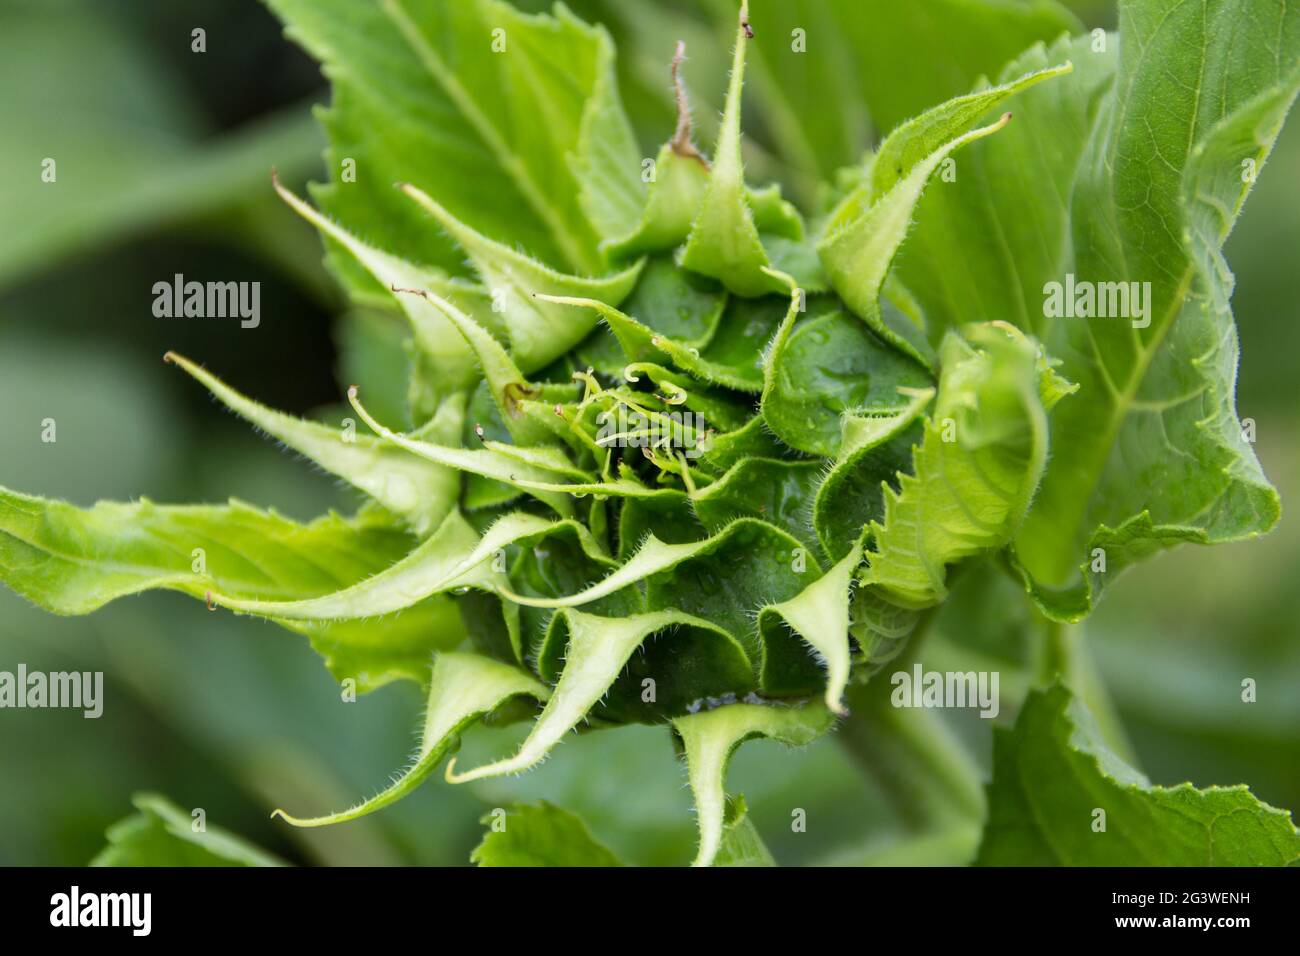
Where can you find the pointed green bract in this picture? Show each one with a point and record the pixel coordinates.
(865, 233)
(598, 649)
(851, 493)
(479, 461)
(417, 491)
(710, 738)
(675, 195)
(462, 688)
(1014, 189)
(724, 242)
(538, 331)
(452, 558)
(449, 360)
(912, 144)
(820, 615)
(827, 73)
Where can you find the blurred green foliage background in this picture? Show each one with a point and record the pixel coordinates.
(163, 167)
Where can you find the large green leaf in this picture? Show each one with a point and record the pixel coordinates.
(1059, 796)
(1152, 451)
(71, 560)
(511, 120)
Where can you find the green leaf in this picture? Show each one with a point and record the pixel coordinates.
(72, 561)
(710, 738)
(462, 689)
(520, 130)
(724, 242)
(865, 231)
(541, 835)
(161, 834)
(1153, 441)
(416, 490)
(1052, 775)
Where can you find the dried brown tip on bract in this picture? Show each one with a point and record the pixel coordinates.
(211, 606)
(681, 141)
(169, 356)
(352, 391)
(478, 430)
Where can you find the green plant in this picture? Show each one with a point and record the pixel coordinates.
(687, 454)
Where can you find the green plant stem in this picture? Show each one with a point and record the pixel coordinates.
(925, 771)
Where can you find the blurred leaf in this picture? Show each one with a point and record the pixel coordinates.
(162, 834)
(128, 154)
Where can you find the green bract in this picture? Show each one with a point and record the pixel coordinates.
(687, 454)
